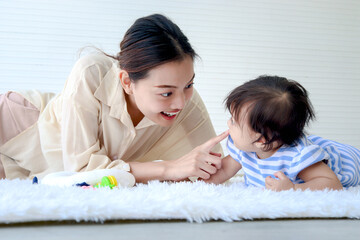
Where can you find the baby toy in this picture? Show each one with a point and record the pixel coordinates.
(97, 178)
(107, 181)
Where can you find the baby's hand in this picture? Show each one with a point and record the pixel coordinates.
(284, 183)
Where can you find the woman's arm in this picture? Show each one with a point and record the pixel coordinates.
(81, 146)
(185, 148)
(316, 177)
(229, 167)
(200, 162)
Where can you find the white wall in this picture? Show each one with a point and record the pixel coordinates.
(314, 42)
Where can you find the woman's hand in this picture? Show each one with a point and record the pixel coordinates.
(201, 162)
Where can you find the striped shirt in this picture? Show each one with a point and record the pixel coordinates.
(343, 159)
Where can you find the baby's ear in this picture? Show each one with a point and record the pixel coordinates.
(260, 143)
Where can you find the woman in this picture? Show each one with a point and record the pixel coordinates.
(123, 111)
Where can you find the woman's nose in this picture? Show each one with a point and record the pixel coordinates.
(179, 102)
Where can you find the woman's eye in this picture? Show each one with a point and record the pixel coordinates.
(166, 94)
(190, 85)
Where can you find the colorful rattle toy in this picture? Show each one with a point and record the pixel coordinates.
(107, 181)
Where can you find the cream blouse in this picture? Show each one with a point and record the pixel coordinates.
(87, 127)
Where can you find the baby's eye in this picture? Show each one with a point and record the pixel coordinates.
(166, 94)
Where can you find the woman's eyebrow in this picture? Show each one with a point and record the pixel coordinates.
(171, 86)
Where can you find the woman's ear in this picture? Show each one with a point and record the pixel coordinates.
(126, 82)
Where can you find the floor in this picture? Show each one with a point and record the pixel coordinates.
(288, 229)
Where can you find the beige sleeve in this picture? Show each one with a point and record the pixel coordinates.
(82, 149)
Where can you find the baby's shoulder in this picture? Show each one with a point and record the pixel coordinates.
(298, 148)
(304, 149)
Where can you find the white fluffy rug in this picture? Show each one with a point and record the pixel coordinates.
(21, 201)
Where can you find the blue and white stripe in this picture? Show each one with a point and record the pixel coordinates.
(343, 159)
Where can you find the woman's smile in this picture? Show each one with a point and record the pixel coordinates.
(169, 115)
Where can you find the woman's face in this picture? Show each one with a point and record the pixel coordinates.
(164, 92)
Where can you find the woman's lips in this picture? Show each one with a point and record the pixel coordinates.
(169, 115)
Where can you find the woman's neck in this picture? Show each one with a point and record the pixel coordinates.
(135, 114)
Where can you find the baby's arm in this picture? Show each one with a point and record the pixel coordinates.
(316, 177)
(229, 167)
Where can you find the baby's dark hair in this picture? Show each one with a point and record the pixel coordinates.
(278, 108)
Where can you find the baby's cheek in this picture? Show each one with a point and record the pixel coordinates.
(228, 123)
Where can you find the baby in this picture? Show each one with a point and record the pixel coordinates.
(267, 141)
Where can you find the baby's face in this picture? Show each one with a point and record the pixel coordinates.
(241, 132)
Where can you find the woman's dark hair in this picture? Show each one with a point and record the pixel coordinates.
(150, 42)
(278, 108)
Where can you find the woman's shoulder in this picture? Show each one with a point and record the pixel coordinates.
(94, 59)
(89, 71)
